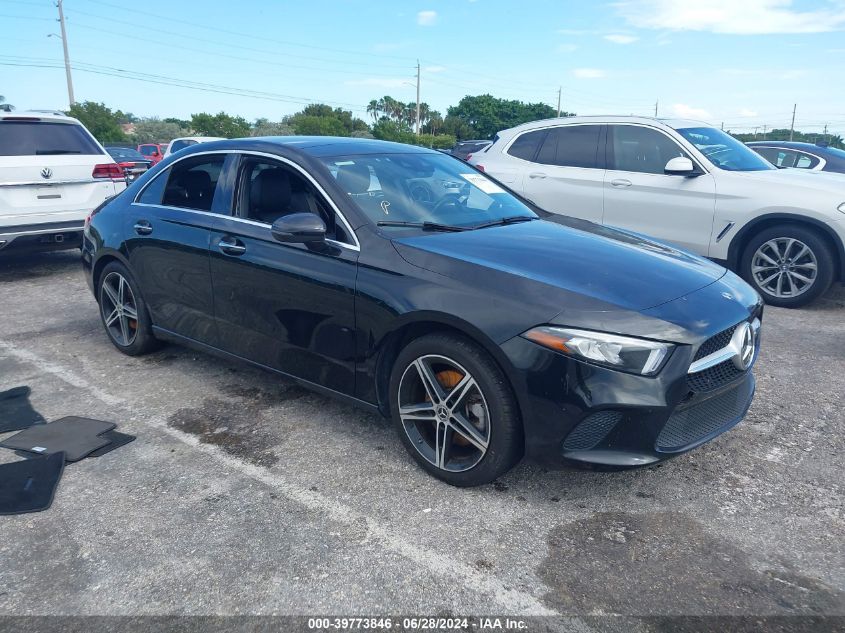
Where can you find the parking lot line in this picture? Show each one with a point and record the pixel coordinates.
(512, 601)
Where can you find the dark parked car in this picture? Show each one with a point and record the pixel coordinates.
(407, 283)
(464, 149)
(801, 155)
(130, 160)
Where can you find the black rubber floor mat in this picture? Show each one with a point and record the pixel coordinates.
(117, 440)
(16, 411)
(30, 484)
(75, 437)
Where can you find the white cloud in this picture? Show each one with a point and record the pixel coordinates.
(747, 17)
(685, 111)
(621, 39)
(566, 48)
(745, 112)
(426, 18)
(589, 73)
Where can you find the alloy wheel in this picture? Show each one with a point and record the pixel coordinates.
(444, 413)
(784, 267)
(119, 310)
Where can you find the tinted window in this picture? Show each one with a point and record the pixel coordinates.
(570, 146)
(191, 183)
(526, 145)
(154, 191)
(268, 190)
(177, 145)
(641, 149)
(769, 153)
(124, 153)
(805, 161)
(36, 138)
(148, 150)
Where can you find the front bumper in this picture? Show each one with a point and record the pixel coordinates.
(578, 413)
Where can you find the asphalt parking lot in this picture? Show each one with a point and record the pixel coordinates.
(244, 494)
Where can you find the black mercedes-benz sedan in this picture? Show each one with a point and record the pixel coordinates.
(408, 282)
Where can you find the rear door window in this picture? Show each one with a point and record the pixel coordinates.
(571, 146)
(190, 184)
(45, 138)
(525, 146)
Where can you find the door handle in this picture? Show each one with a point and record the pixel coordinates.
(536, 174)
(621, 182)
(143, 227)
(231, 246)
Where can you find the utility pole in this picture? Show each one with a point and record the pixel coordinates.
(764, 132)
(723, 126)
(792, 127)
(755, 132)
(418, 97)
(825, 132)
(656, 103)
(559, 92)
(70, 98)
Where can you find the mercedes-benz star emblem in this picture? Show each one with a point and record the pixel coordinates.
(745, 348)
(47, 173)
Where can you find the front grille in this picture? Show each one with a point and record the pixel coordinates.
(704, 418)
(714, 377)
(715, 343)
(591, 430)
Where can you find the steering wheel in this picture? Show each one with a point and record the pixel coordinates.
(446, 201)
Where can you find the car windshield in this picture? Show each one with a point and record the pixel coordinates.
(723, 150)
(122, 152)
(424, 189)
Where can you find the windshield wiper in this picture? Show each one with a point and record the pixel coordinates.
(513, 219)
(425, 226)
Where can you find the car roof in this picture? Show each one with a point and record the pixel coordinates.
(788, 144)
(316, 146)
(40, 115)
(607, 118)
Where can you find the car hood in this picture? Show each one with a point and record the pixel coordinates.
(790, 179)
(573, 264)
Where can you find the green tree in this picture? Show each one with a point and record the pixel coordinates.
(266, 127)
(834, 140)
(100, 121)
(220, 124)
(5, 107)
(319, 119)
(154, 130)
(182, 123)
(484, 115)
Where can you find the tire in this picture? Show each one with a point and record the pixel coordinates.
(130, 328)
(473, 456)
(775, 251)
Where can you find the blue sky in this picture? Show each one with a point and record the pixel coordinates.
(741, 62)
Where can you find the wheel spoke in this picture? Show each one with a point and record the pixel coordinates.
(779, 289)
(120, 293)
(124, 329)
(800, 277)
(765, 281)
(429, 380)
(417, 412)
(443, 444)
(789, 244)
(759, 269)
(111, 294)
(110, 319)
(804, 250)
(791, 284)
(466, 430)
(130, 312)
(454, 398)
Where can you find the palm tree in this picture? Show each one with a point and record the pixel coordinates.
(374, 108)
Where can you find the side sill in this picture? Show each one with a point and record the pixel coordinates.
(189, 342)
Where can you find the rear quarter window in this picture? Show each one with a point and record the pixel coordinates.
(525, 146)
(45, 138)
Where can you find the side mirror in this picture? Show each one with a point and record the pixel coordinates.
(299, 228)
(680, 166)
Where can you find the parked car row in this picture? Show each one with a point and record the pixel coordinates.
(688, 184)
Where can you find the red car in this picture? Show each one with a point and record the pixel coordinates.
(153, 151)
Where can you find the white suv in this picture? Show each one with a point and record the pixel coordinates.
(686, 183)
(53, 173)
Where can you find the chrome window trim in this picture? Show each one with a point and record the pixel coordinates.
(354, 247)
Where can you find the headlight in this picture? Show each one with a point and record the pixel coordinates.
(633, 355)
(841, 207)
